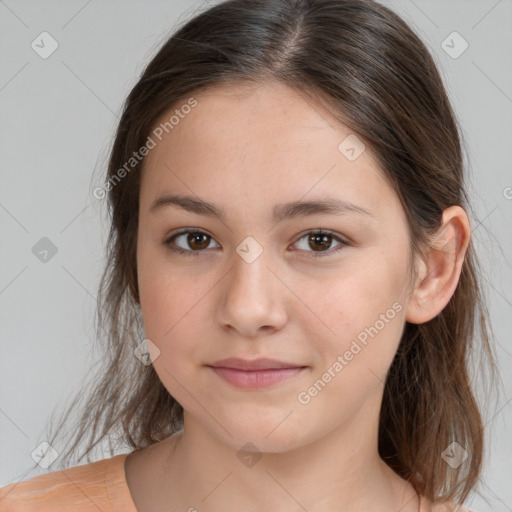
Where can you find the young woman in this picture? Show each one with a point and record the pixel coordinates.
(291, 296)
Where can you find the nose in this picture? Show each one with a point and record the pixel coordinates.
(253, 298)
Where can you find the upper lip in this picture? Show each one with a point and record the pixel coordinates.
(253, 364)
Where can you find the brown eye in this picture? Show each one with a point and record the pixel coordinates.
(316, 243)
(198, 241)
(319, 243)
(190, 242)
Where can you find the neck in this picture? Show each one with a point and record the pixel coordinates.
(339, 471)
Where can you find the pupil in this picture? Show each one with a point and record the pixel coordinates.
(194, 237)
(320, 239)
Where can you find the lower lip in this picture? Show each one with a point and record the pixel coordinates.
(256, 378)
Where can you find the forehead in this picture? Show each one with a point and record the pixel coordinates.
(267, 143)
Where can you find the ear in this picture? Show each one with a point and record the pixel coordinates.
(440, 269)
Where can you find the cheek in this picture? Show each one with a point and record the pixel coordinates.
(367, 318)
(168, 316)
(167, 294)
(362, 316)
(176, 316)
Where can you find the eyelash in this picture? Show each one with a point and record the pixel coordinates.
(315, 254)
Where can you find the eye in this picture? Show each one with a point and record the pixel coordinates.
(196, 239)
(321, 242)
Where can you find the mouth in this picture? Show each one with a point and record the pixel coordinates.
(257, 373)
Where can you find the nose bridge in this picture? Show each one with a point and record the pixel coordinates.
(250, 275)
(252, 298)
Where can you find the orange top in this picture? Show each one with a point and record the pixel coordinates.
(98, 486)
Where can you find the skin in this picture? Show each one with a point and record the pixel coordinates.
(247, 148)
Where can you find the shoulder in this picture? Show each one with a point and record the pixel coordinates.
(100, 485)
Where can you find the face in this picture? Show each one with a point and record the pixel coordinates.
(259, 280)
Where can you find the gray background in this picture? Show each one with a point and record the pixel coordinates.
(57, 120)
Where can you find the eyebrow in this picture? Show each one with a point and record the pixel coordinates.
(328, 205)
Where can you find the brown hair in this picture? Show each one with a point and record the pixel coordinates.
(363, 63)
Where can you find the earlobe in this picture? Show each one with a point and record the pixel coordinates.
(441, 267)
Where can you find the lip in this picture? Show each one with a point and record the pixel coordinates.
(236, 363)
(257, 373)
